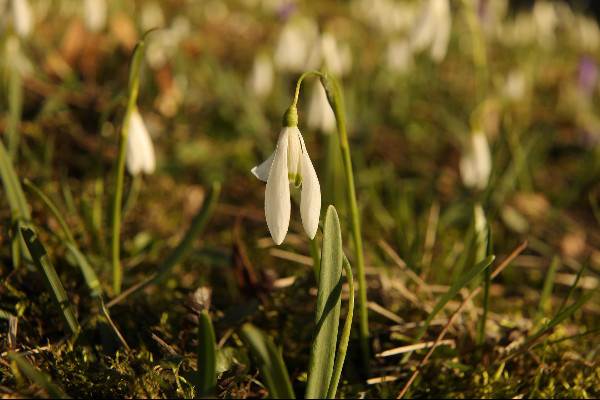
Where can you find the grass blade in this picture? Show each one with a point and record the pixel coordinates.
(207, 357)
(53, 209)
(574, 285)
(51, 279)
(543, 305)
(464, 281)
(345, 338)
(271, 365)
(88, 272)
(91, 279)
(327, 315)
(20, 365)
(16, 201)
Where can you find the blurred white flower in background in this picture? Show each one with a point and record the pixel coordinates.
(399, 55)
(320, 116)
(294, 43)
(327, 53)
(476, 161)
(585, 33)
(94, 15)
(260, 80)
(139, 154)
(151, 16)
(14, 58)
(432, 30)
(387, 16)
(164, 43)
(545, 22)
(22, 17)
(515, 85)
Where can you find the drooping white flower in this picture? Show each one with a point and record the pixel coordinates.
(476, 161)
(94, 15)
(289, 164)
(320, 115)
(260, 80)
(399, 56)
(328, 53)
(23, 17)
(432, 30)
(139, 154)
(294, 44)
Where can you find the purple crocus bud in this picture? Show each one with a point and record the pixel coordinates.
(286, 11)
(587, 78)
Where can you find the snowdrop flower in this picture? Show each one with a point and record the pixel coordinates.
(335, 58)
(140, 151)
(320, 115)
(433, 30)
(476, 162)
(399, 56)
(515, 86)
(260, 80)
(290, 164)
(22, 17)
(94, 14)
(295, 40)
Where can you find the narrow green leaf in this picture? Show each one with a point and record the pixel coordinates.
(207, 357)
(464, 281)
(91, 279)
(270, 364)
(574, 285)
(53, 209)
(327, 315)
(15, 108)
(345, 338)
(51, 279)
(20, 364)
(16, 202)
(560, 317)
(88, 272)
(543, 305)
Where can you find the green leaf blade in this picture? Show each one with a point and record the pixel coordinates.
(271, 365)
(327, 315)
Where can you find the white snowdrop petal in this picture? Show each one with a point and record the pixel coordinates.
(133, 159)
(94, 14)
(262, 170)
(483, 158)
(140, 151)
(277, 194)
(23, 17)
(476, 162)
(310, 197)
(294, 156)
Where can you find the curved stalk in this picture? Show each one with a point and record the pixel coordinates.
(132, 94)
(335, 100)
(345, 338)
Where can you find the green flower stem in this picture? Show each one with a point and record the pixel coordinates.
(345, 338)
(315, 254)
(335, 100)
(132, 94)
(42, 196)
